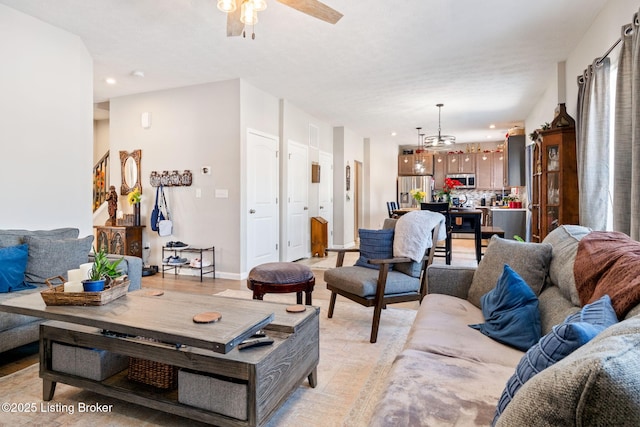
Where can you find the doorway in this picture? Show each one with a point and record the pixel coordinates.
(358, 221)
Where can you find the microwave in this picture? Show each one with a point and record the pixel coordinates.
(468, 180)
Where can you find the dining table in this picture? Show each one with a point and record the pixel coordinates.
(464, 220)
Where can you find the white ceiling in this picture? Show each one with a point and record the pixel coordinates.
(381, 69)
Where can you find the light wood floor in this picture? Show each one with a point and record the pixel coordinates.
(22, 357)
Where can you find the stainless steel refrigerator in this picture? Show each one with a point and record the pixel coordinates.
(408, 183)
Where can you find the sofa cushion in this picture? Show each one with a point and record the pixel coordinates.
(510, 312)
(364, 281)
(49, 258)
(16, 237)
(599, 312)
(529, 260)
(598, 384)
(427, 389)
(564, 241)
(13, 263)
(441, 327)
(375, 244)
(554, 308)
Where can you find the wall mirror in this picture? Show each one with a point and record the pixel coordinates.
(130, 171)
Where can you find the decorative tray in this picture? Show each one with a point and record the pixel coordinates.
(55, 295)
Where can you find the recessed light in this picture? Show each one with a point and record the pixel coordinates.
(110, 80)
(137, 73)
(492, 126)
(393, 134)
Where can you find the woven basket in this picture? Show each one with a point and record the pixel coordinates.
(152, 373)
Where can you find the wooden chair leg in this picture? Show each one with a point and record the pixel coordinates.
(332, 304)
(377, 312)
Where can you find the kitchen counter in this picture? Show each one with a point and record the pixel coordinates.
(512, 221)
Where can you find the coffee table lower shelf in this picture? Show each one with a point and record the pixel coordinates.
(263, 377)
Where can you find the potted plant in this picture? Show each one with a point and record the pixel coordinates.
(102, 270)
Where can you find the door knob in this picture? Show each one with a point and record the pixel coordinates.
(306, 208)
(252, 211)
(321, 207)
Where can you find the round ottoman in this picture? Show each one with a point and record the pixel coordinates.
(281, 277)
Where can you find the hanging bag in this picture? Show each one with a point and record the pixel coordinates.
(156, 214)
(165, 225)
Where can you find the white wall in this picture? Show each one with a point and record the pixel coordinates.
(46, 126)
(604, 31)
(294, 126)
(191, 127)
(381, 170)
(347, 148)
(101, 141)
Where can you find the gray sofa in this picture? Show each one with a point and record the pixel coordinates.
(451, 374)
(51, 253)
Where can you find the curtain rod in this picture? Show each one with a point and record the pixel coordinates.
(628, 29)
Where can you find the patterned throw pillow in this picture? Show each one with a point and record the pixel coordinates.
(577, 330)
(375, 244)
(511, 312)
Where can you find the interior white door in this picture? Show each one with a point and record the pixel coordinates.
(298, 227)
(325, 192)
(262, 199)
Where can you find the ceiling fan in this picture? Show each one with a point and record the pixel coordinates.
(244, 12)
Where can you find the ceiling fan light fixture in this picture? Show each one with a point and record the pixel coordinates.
(227, 6)
(259, 5)
(439, 139)
(248, 14)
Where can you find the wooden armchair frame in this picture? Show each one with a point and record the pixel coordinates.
(380, 299)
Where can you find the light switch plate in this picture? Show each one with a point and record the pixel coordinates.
(222, 194)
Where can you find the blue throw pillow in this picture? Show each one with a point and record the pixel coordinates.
(577, 330)
(511, 312)
(599, 312)
(375, 244)
(13, 263)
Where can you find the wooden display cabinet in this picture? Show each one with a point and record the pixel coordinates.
(555, 178)
(120, 240)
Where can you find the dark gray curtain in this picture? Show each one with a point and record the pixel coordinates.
(627, 135)
(593, 144)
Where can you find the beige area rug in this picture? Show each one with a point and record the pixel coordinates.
(351, 375)
(329, 261)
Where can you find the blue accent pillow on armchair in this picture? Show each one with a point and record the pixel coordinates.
(375, 244)
(511, 312)
(13, 263)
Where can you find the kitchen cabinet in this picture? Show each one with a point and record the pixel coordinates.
(439, 170)
(461, 163)
(415, 164)
(489, 171)
(120, 240)
(554, 198)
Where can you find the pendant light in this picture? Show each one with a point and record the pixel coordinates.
(438, 140)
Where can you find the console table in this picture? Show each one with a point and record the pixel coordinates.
(257, 380)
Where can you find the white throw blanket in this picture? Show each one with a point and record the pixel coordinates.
(413, 232)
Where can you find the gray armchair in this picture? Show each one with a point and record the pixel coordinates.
(379, 287)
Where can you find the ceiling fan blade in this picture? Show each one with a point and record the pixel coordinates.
(234, 25)
(314, 8)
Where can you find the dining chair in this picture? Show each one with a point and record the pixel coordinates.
(391, 207)
(441, 251)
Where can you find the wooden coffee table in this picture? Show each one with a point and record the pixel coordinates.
(262, 377)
